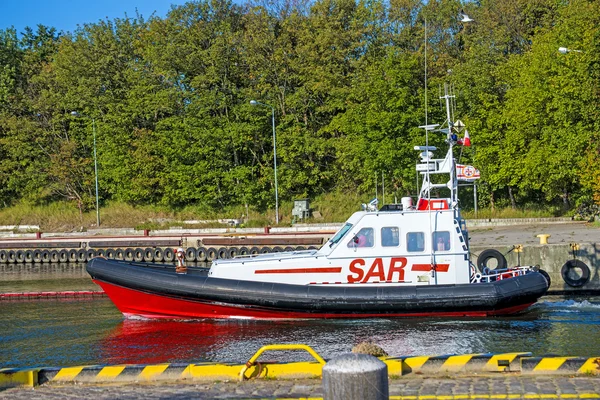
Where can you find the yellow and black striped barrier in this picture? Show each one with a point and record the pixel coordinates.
(397, 366)
(560, 365)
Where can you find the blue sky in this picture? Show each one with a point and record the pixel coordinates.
(67, 14)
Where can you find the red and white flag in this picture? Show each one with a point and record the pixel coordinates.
(466, 140)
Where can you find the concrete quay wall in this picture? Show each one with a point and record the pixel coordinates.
(552, 258)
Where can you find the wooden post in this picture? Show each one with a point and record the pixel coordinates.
(355, 377)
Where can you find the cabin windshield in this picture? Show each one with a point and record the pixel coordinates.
(341, 233)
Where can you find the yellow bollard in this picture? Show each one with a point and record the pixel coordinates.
(543, 238)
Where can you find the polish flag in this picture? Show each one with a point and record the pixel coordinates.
(466, 139)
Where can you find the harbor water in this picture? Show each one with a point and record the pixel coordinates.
(87, 331)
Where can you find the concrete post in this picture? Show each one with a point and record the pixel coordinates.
(355, 377)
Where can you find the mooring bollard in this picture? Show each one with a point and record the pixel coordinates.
(355, 377)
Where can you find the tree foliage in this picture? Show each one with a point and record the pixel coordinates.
(167, 101)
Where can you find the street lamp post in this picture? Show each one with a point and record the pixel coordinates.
(256, 103)
(76, 114)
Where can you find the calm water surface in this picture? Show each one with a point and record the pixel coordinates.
(92, 331)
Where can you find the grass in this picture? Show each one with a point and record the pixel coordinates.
(332, 207)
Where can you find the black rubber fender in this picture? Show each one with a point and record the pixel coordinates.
(190, 254)
(244, 251)
(277, 249)
(211, 254)
(45, 256)
(54, 258)
(487, 255)
(222, 253)
(201, 254)
(100, 253)
(91, 253)
(585, 273)
(3, 256)
(119, 254)
(158, 254)
(300, 248)
(232, 252)
(546, 275)
(81, 256)
(28, 256)
(254, 250)
(168, 254)
(265, 250)
(20, 255)
(63, 256)
(138, 255)
(12, 256)
(37, 256)
(148, 254)
(73, 255)
(129, 254)
(288, 249)
(110, 254)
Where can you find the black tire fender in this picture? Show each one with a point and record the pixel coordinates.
(63, 256)
(168, 254)
(110, 254)
(265, 250)
(138, 255)
(277, 249)
(81, 255)
(119, 254)
(73, 255)
(158, 254)
(28, 256)
(190, 254)
(201, 254)
(129, 254)
(222, 253)
(244, 251)
(148, 254)
(232, 252)
(3, 256)
(571, 264)
(54, 258)
(489, 254)
(254, 250)
(11, 256)
(211, 254)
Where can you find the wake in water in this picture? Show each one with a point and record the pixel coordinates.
(570, 305)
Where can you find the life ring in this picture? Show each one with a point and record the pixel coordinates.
(487, 255)
(572, 264)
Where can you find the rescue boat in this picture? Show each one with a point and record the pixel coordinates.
(399, 260)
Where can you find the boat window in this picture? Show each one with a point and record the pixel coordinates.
(338, 236)
(441, 241)
(364, 238)
(415, 241)
(390, 236)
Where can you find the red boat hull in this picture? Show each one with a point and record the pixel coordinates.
(133, 302)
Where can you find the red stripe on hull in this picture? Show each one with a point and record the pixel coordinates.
(149, 305)
(300, 271)
(427, 267)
